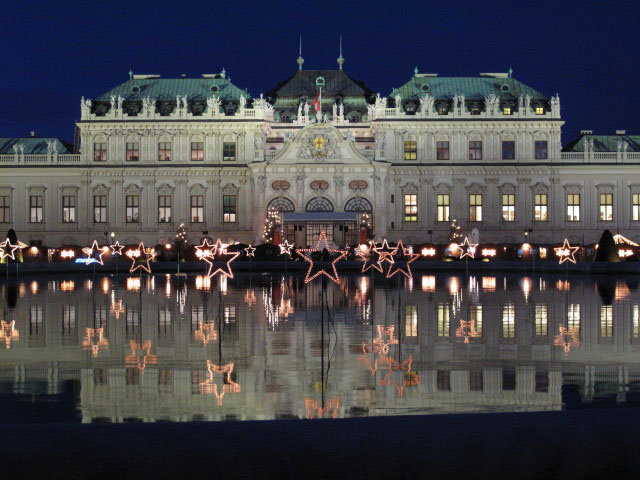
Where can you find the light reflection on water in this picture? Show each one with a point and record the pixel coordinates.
(188, 348)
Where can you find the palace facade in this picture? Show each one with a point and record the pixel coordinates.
(325, 152)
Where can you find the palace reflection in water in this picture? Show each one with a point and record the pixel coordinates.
(157, 348)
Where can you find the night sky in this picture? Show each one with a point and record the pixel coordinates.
(52, 53)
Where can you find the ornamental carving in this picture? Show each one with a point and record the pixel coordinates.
(319, 146)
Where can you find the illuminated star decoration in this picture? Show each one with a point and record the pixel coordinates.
(315, 410)
(117, 308)
(137, 261)
(219, 260)
(566, 338)
(89, 252)
(467, 249)
(365, 256)
(8, 249)
(8, 332)
(140, 351)
(250, 251)
(303, 252)
(285, 248)
(409, 377)
(566, 252)
(116, 248)
(205, 251)
(385, 252)
(467, 330)
(404, 254)
(96, 334)
(209, 387)
(206, 333)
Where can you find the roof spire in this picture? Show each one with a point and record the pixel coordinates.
(510, 72)
(415, 71)
(340, 58)
(300, 59)
(130, 75)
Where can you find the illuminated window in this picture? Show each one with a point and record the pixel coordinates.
(99, 208)
(475, 150)
(99, 152)
(475, 315)
(229, 151)
(606, 321)
(443, 207)
(442, 150)
(606, 207)
(164, 151)
(68, 334)
(539, 110)
(229, 208)
(443, 320)
(4, 209)
(411, 320)
(132, 213)
(36, 203)
(573, 317)
(635, 323)
(442, 110)
(506, 110)
(36, 327)
(475, 207)
(541, 320)
(411, 208)
(164, 208)
(509, 207)
(164, 320)
(540, 207)
(197, 151)
(197, 208)
(508, 150)
(509, 321)
(133, 152)
(410, 150)
(635, 207)
(573, 207)
(68, 209)
(132, 322)
(541, 150)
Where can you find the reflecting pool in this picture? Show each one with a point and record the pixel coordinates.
(77, 348)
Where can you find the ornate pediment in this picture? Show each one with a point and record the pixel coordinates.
(230, 189)
(101, 188)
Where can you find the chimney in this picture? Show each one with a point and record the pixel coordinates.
(621, 132)
(586, 132)
(33, 134)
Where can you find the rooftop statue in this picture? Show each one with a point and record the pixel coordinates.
(335, 110)
(341, 110)
(300, 110)
(213, 104)
(426, 104)
(492, 101)
(349, 137)
(243, 102)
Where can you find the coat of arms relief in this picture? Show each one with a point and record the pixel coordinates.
(319, 145)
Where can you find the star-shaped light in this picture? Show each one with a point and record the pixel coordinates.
(385, 252)
(219, 260)
(117, 308)
(467, 330)
(566, 252)
(364, 254)
(285, 248)
(89, 252)
(137, 260)
(206, 333)
(403, 254)
(304, 253)
(8, 250)
(8, 332)
(205, 251)
(116, 248)
(566, 338)
(209, 386)
(314, 410)
(385, 337)
(467, 249)
(409, 378)
(139, 351)
(95, 341)
(250, 251)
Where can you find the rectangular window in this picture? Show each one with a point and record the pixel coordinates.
(573, 317)
(4, 209)
(229, 208)
(197, 208)
(68, 209)
(164, 151)
(197, 151)
(99, 208)
(99, 152)
(506, 110)
(475, 315)
(606, 207)
(539, 110)
(443, 320)
(164, 208)
(410, 150)
(442, 150)
(541, 150)
(635, 207)
(442, 110)
(573, 207)
(411, 208)
(229, 151)
(509, 320)
(509, 207)
(540, 207)
(411, 321)
(133, 206)
(36, 203)
(475, 150)
(133, 151)
(606, 321)
(508, 150)
(68, 332)
(541, 320)
(442, 200)
(475, 208)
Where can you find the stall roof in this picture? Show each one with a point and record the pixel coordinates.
(319, 216)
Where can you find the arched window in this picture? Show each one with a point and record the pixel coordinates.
(319, 204)
(281, 204)
(358, 204)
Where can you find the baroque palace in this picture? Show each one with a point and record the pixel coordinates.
(326, 153)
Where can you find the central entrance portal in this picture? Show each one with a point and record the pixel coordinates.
(305, 228)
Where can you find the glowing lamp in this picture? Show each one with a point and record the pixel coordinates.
(623, 253)
(428, 252)
(67, 253)
(488, 252)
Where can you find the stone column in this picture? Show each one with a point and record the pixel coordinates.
(214, 205)
(181, 200)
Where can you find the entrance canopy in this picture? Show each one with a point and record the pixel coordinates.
(319, 216)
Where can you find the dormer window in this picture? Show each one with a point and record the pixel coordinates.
(442, 110)
(539, 110)
(507, 110)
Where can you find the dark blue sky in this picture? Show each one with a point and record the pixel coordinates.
(52, 53)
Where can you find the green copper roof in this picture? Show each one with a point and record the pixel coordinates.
(169, 88)
(605, 143)
(473, 88)
(32, 145)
